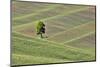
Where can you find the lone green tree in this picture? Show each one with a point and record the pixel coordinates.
(40, 28)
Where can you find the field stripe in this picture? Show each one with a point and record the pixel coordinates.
(39, 42)
(37, 8)
(28, 59)
(69, 29)
(60, 27)
(49, 18)
(79, 37)
(68, 13)
(39, 57)
(33, 14)
(52, 43)
(76, 32)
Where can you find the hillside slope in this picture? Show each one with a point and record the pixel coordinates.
(70, 30)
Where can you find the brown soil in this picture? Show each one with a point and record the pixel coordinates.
(30, 31)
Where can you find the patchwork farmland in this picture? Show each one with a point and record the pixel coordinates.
(70, 30)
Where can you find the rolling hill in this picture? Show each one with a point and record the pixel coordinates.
(70, 29)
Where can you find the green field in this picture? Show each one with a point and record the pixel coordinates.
(70, 30)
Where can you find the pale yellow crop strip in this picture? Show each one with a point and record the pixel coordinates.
(49, 18)
(33, 14)
(79, 37)
(60, 27)
(70, 29)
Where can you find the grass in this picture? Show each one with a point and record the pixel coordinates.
(70, 30)
(33, 48)
(86, 42)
